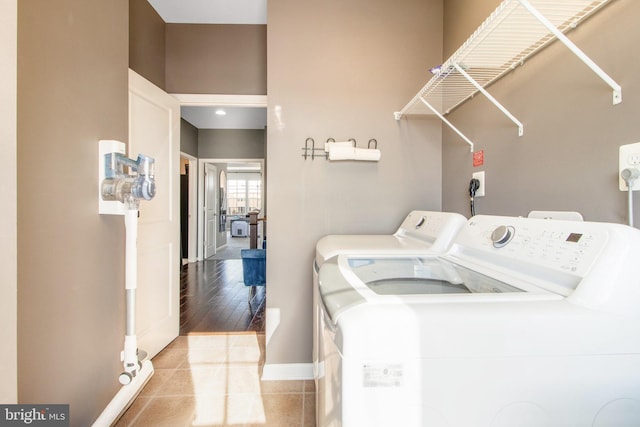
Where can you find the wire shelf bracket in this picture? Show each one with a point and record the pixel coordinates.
(617, 89)
(515, 31)
(448, 123)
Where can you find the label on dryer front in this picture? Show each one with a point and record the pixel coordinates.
(382, 375)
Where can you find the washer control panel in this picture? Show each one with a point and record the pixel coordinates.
(566, 246)
(502, 235)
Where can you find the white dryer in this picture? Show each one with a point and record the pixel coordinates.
(419, 232)
(523, 322)
(422, 233)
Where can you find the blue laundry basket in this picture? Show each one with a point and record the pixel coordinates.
(254, 266)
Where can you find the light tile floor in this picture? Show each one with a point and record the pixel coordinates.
(214, 380)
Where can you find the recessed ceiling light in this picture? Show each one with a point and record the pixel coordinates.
(221, 112)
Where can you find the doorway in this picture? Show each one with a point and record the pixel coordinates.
(213, 295)
(215, 298)
(240, 191)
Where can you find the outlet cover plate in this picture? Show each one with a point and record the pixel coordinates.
(629, 158)
(480, 177)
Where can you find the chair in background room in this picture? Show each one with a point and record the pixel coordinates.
(254, 266)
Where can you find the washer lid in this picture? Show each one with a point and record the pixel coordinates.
(422, 276)
(346, 282)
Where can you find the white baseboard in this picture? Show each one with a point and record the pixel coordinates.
(125, 397)
(287, 371)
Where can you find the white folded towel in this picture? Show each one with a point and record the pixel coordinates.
(345, 144)
(347, 151)
(341, 152)
(367, 154)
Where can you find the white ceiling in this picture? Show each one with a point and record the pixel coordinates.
(217, 12)
(211, 11)
(235, 117)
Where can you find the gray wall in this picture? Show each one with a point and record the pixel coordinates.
(189, 58)
(568, 156)
(72, 92)
(220, 59)
(340, 69)
(461, 18)
(230, 144)
(188, 138)
(8, 238)
(192, 58)
(147, 42)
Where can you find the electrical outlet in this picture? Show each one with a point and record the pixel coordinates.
(629, 158)
(480, 177)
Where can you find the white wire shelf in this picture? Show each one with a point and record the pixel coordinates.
(516, 30)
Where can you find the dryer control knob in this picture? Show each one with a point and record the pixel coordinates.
(502, 235)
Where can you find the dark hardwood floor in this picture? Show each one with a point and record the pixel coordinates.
(213, 298)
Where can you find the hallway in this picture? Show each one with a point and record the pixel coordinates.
(213, 297)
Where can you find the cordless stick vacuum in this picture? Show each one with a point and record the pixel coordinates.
(123, 183)
(129, 189)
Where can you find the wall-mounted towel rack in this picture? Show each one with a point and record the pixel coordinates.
(311, 151)
(513, 32)
(346, 150)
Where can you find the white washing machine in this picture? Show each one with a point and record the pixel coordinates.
(422, 233)
(523, 322)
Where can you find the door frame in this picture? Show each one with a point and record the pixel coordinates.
(217, 100)
(9, 214)
(193, 206)
(205, 218)
(211, 100)
(201, 195)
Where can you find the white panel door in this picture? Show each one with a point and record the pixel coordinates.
(211, 209)
(154, 130)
